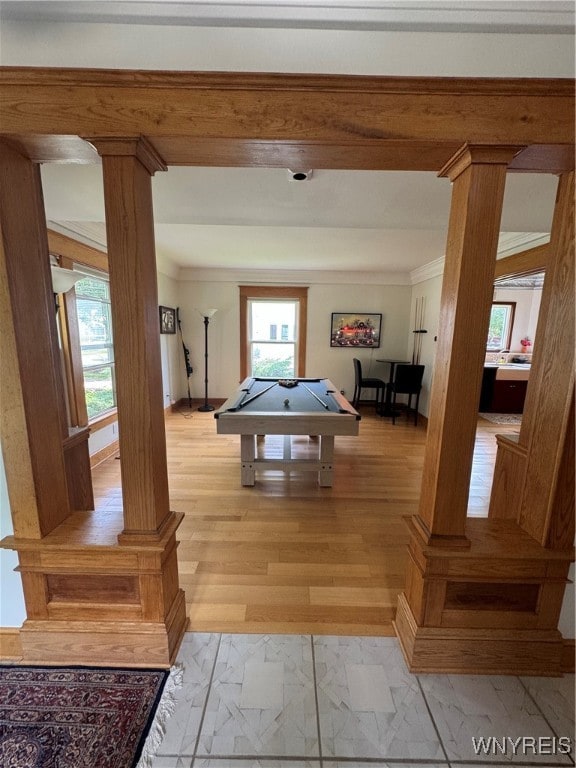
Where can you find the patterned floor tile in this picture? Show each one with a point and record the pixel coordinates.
(488, 718)
(216, 763)
(373, 764)
(170, 761)
(370, 705)
(262, 699)
(196, 655)
(555, 699)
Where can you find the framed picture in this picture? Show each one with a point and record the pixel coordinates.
(355, 329)
(167, 320)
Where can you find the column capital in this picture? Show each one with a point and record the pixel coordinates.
(130, 146)
(478, 154)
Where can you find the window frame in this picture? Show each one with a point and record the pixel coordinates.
(108, 345)
(508, 334)
(274, 293)
(69, 253)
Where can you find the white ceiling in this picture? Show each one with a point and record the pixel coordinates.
(259, 218)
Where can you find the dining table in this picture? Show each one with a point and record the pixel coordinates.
(386, 409)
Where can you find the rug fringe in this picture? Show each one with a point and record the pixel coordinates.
(165, 708)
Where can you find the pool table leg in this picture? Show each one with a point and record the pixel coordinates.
(326, 457)
(247, 458)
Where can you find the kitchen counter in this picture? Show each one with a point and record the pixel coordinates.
(504, 387)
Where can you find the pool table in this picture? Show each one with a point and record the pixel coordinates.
(311, 407)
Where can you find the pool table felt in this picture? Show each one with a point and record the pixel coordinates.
(301, 397)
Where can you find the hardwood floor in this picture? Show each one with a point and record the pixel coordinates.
(287, 555)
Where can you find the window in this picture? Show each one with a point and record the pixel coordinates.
(500, 327)
(96, 344)
(263, 312)
(268, 355)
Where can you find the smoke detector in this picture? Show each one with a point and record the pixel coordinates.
(300, 175)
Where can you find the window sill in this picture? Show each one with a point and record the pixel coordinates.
(100, 422)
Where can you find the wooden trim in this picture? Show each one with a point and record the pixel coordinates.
(10, 644)
(274, 292)
(33, 409)
(547, 502)
(136, 146)
(330, 110)
(523, 263)
(134, 305)
(161, 79)
(104, 453)
(467, 292)
(61, 245)
(470, 154)
(73, 360)
(103, 421)
(568, 653)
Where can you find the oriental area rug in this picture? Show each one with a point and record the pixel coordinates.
(502, 418)
(80, 717)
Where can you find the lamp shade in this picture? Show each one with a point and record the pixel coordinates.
(64, 279)
(206, 312)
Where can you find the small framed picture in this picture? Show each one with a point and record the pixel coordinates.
(167, 320)
(355, 329)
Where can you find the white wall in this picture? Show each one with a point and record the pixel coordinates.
(172, 359)
(567, 622)
(429, 292)
(393, 301)
(361, 52)
(12, 609)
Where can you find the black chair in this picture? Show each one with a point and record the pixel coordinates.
(361, 383)
(407, 381)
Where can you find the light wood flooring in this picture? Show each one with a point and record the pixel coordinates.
(286, 555)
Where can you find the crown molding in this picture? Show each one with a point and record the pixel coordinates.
(427, 271)
(550, 17)
(509, 243)
(292, 277)
(92, 234)
(515, 242)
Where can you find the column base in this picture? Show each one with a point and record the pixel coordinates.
(490, 608)
(105, 643)
(477, 652)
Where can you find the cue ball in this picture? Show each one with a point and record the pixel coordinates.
(286, 403)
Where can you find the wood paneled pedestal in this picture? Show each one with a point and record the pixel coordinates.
(492, 608)
(90, 600)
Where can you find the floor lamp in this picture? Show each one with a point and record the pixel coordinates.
(206, 315)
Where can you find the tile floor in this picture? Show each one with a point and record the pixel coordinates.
(295, 701)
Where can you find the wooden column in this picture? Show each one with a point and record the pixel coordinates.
(494, 607)
(547, 501)
(478, 175)
(33, 412)
(128, 165)
(102, 587)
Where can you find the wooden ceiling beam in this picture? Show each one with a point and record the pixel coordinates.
(327, 116)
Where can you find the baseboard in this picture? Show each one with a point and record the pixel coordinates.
(104, 453)
(10, 644)
(195, 402)
(568, 654)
